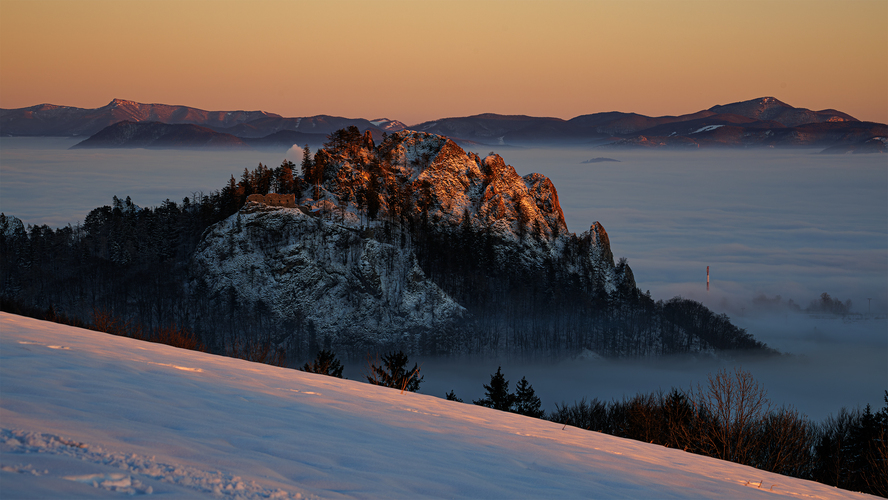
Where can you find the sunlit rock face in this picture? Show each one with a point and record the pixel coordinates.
(400, 241)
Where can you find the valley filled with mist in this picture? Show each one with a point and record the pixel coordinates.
(774, 226)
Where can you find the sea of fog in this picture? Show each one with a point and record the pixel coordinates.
(768, 223)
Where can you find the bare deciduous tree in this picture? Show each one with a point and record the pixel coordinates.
(734, 403)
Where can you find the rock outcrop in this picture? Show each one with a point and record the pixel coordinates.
(451, 237)
(353, 289)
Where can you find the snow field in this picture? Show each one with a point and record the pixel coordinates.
(89, 415)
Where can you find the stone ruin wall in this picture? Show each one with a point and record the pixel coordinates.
(274, 200)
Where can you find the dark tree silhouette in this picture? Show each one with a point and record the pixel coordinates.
(497, 394)
(324, 363)
(451, 396)
(526, 401)
(393, 373)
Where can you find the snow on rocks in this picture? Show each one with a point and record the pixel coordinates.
(707, 128)
(323, 271)
(10, 225)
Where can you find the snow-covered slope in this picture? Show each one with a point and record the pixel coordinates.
(88, 415)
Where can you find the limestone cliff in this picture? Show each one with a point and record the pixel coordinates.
(323, 273)
(405, 241)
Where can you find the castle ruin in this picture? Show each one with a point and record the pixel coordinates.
(274, 200)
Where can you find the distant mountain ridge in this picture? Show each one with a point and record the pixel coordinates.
(769, 108)
(52, 120)
(66, 121)
(129, 134)
(764, 121)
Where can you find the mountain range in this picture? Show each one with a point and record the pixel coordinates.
(765, 121)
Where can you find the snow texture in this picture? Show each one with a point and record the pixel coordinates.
(88, 415)
(707, 128)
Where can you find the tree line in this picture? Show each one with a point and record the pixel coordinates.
(728, 418)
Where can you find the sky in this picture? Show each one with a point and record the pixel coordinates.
(420, 60)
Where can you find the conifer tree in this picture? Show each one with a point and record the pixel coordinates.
(526, 401)
(497, 395)
(283, 178)
(307, 165)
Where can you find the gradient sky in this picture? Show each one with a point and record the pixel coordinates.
(420, 60)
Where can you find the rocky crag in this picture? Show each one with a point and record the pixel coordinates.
(416, 244)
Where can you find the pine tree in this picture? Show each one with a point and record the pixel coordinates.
(372, 198)
(307, 165)
(324, 363)
(283, 177)
(526, 401)
(497, 395)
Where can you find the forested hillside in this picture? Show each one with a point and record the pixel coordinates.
(412, 243)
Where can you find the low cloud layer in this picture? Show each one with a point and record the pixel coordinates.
(778, 222)
(770, 223)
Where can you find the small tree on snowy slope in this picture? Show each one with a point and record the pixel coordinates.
(324, 363)
(526, 401)
(497, 395)
(393, 373)
(451, 396)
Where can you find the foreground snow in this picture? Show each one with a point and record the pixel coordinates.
(89, 415)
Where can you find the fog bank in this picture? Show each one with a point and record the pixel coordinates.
(767, 223)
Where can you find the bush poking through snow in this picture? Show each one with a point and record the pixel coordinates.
(171, 334)
(257, 351)
(451, 396)
(324, 363)
(393, 372)
(177, 337)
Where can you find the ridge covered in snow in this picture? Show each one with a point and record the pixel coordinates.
(88, 415)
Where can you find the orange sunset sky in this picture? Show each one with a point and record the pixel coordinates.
(419, 60)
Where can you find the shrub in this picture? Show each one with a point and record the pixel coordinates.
(393, 372)
(324, 363)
